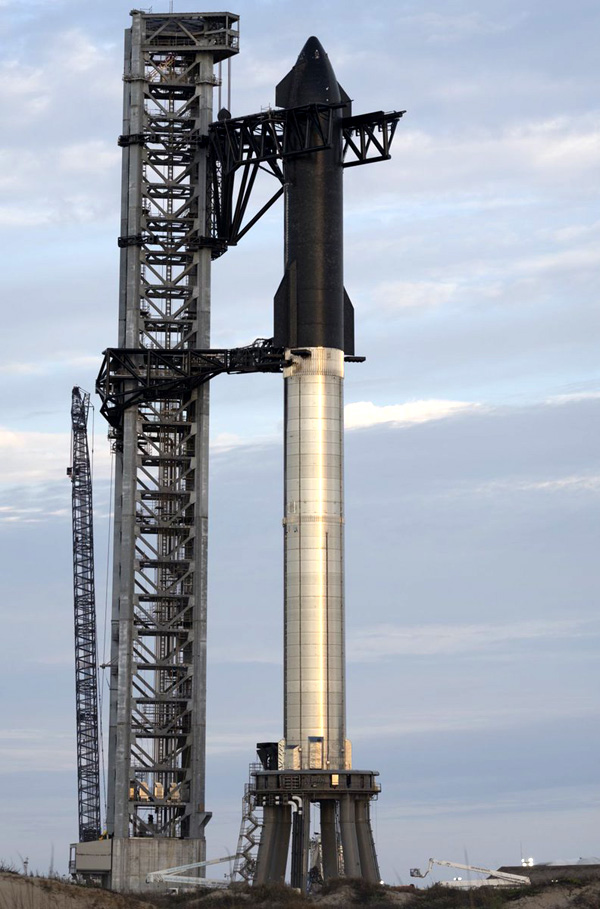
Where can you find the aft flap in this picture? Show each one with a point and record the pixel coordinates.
(346, 101)
(285, 310)
(284, 89)
(348, 325)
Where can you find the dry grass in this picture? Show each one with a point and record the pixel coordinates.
(20, 892)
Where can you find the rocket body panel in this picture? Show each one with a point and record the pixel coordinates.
(314, 558)
(314, 246)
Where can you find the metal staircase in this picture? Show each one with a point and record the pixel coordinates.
(250, 829)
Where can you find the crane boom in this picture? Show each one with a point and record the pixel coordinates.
(171, 875)
(495, 879)
(86, 688)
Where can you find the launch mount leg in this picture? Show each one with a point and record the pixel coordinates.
(366, 846)
(329, 842)
(349, 837)
(347, 792)
(274, 844)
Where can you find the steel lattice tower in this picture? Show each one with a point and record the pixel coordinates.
(156, 807)
(86, 688)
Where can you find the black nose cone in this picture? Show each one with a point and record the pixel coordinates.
(311, 81)
(312, 50)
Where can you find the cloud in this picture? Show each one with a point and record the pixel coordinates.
(39, 750)
(73, 52)
(575, 232)
(564, 260)
(91, 157)
(444, 28)
(235, 651)
(47, 367)
(32, 456)
(363, 414)
(387, 642)
(440, 719)
(18, 168)
(548, 799)
(40, 457)
(10, 515)
(52, 178)
(577, 483)
(19, 215)
(25, 88)
(574, 396)
(394, 295)
(390, 641)
(531, 153)
(230, 742)
(227, 441)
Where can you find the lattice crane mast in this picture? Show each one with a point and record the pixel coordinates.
(86, 687)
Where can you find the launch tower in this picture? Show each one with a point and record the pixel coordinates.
(156, 765)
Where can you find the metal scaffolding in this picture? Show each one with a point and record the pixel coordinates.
(86, 689)
(158, 662)
(244, 866)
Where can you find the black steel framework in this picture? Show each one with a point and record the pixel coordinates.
(130, 376)
(261, 141)
(86, 689)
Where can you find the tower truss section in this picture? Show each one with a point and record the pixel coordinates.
(156, 801)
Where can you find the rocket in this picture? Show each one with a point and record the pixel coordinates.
(314, 322)
(314, 325)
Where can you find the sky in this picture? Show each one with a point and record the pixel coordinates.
(472, 478)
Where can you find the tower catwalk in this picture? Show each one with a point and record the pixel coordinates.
(156, 763)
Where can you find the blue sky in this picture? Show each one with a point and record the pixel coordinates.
(472, 471)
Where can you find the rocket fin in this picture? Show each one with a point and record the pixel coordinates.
(348, 325)
(285, 310)
(346, 101)
(283, 90)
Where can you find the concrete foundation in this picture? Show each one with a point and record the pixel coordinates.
(133, 858)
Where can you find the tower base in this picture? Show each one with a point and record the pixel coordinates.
(347, 844)
(133, 858)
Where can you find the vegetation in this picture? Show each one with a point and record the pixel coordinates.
(18, 891)
(363, 893)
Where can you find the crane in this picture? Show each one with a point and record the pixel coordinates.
(497, 878)
(173, 876)
(86, 687)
